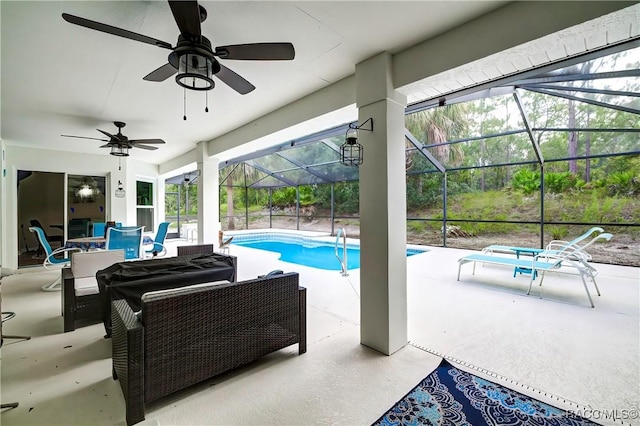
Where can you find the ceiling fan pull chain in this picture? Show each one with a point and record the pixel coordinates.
(184, 117)
(206, 105)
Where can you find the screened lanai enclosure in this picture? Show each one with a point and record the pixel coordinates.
(536, 157)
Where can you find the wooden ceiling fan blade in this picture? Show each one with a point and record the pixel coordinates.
(257, 52)
(147, 147)
(147, 141)
(235, 81)
(161, 74)
(187, 16)
(107, 134)
(84, 137)
(109, 29)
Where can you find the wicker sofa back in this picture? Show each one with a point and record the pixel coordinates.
(190, 334)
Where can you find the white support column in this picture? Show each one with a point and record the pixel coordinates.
(208, 195)
(161, 189)
(383, 267)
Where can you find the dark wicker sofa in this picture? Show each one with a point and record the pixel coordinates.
(130, 280)
(186, 335)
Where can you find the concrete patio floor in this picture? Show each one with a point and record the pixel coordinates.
(550, 344)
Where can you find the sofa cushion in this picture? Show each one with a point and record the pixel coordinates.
(87, 263)
(161, 294)
(85, 286)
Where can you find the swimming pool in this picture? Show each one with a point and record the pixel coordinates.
(305, 251)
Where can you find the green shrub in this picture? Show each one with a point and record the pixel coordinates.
(284, 197)
(623, 183)
(562, 182)
(526, 180)
(558, 232)
(602, 210)
(557, 183)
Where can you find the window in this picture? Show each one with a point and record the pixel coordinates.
(144, 193)
(144, 202)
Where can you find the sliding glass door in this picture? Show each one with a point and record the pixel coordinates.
(85, 204)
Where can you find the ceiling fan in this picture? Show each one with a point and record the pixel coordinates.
(193, 57)
(120, 144)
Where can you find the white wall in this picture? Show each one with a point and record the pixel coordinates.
(3, 206)
(118, 209)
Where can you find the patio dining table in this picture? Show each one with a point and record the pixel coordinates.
(96, 243)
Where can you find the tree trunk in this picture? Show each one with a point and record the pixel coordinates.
(231, 224)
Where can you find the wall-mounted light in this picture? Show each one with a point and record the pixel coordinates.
(120, 190)
(351, 152)
(190, 177)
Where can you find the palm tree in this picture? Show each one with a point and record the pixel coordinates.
(238, 174)
(229, 177)
(437, 125)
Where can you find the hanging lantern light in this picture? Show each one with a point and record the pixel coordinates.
(351, 152)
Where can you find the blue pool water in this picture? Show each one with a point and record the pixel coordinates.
(321, 256)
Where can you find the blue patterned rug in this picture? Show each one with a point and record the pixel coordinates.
(450, 396)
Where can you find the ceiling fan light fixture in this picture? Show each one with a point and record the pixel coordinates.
(195, 71)
(119, 150)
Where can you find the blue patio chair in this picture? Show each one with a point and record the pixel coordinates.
(127, 238)
(50, 238)
(98, 228)
(57, 257)
(158, 248)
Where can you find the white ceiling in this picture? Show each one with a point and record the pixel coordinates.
(59, 78)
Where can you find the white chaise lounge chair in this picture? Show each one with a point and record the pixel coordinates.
(559, 245)
(559, 261)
